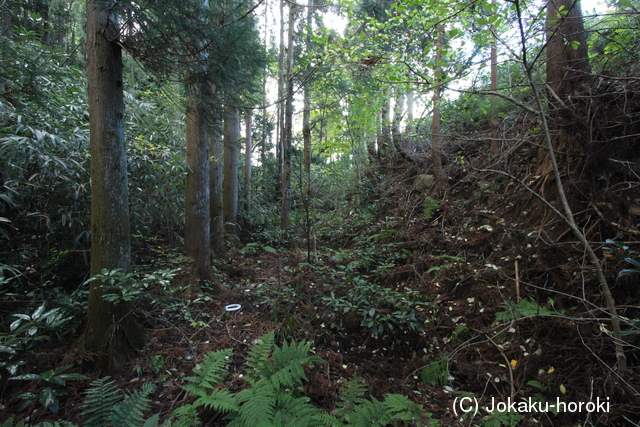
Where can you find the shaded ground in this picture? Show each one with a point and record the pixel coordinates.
(512, 311)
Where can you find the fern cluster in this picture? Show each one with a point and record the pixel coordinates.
(274, 398)
(275, 375)
(106, 407)
(353, 409)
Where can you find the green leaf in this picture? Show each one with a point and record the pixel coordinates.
(538, 385)
(6, 349)
(152, 422)
(49, 400)
(635, 262)
(36, 314)
(27, 377)
(73, 376)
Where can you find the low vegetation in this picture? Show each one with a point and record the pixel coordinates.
(389, 297)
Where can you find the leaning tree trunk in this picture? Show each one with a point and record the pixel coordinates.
(111, 330)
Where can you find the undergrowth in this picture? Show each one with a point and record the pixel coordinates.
(274, 396)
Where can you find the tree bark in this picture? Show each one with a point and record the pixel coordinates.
(398, 111)
(111, 330)
(285, 194)
(567, 67)
(281, 107)
(215, 182)
(372, 140)
(6, 21)
(231, 150)
(567, 56)
(306, 140)
(409, 129)
(248, 120)
(46, 23)
(384, 138)
(306, 113)
(197, 229)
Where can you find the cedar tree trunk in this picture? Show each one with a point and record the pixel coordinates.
(197, 224)
(111, 330)
(231, 149)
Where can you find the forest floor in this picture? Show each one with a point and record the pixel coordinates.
(501, 305)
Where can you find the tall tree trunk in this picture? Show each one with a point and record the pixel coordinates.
(280, 125)
(372, 140)
(285, 196)
(215, 182)
(248, 120)
(46, 23)
(111, 330)
(6, 21)
(306, 113)
(197, 228)
(379, 127)
(398, 111)
(567, 67)
(384, 137)
(567, 56)
(306, 140)
(231, 150)
(410, 103)
(438, 171)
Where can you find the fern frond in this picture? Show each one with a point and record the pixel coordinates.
(185, 416)
(367, 414)
(295, 411)
(289, 362)
(351, 396)
(401, 408)
(257, 405)
(394, 408)
(327, 420)
(258, 357)
(130, 413)
(9, 423)
(220, 400)
(101, 398)
(210, 372)
(153, 421)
